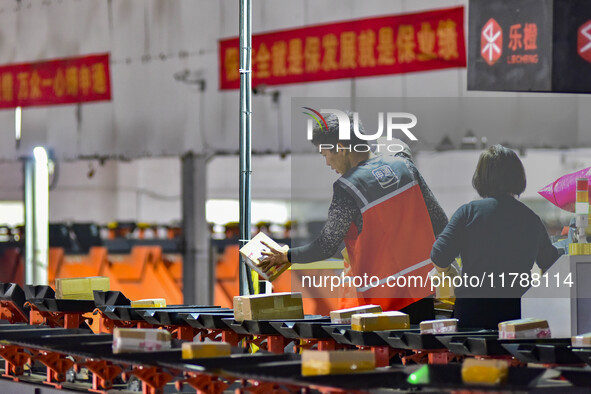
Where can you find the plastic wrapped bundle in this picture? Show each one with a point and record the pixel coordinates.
(563, 191)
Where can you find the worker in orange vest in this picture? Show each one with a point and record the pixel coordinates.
(387, 216)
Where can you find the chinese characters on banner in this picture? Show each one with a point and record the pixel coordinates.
(62, 81)
(377, 46)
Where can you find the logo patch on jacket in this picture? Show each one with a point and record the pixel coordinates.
(385, 176)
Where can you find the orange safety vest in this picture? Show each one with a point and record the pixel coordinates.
(397, 235)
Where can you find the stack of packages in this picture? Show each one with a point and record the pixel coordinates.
(269, 306)
(252, 253)
(524, 328)
(80, 288)
(130, 340)
(323, 362)
(439, 326)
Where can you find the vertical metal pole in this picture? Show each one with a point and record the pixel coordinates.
(29, 173)
(36, 185)
(197, 267)
(41, 203)
(245, 138)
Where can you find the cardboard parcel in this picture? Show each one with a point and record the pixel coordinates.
(80, 288)
(252, 253)
(269, 306)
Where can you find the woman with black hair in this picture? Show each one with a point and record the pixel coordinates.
(497, 237)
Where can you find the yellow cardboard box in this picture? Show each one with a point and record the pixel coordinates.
(80, 288)
(205, 349)
(324, 362)
(488, 372)
(149, 303)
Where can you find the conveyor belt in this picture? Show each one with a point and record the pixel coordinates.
(302, 329)
(12, 292)
(38, 292)
(556, 351)
(174, 316)
(449, 377)
(579, 377)
(289, 372)
(584, 353)
(264, 327)
(343, 334)
(127, 313)
(110, 298)
(281, 369)
(207, 320)
(36, 331)
(413, 339)
(487, 345)
(65, 306)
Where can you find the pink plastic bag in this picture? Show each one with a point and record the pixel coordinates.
(562, 192)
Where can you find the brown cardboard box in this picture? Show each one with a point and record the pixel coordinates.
(583, 340)
(524, 328)
(324, 362)
(237, 306)
(438, 326)
(140, 340)
(205, 349)
(269, 307)
(343, 316)
(489, 372)
(252, 253)
(392, 320)
(80, 288)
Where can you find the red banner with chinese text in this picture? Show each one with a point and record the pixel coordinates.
(60, 81)
(365, 47)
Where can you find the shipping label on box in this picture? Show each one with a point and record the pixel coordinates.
(252, 253)
(269, 307)
(319, 362)
(392, 320)
(127, 340)
(343, 316)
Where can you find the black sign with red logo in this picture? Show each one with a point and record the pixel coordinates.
(571, 67)
(530, 45)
